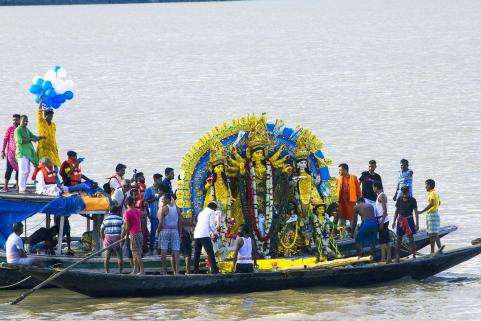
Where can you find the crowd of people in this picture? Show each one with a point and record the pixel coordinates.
(365, 197)
(125, 231)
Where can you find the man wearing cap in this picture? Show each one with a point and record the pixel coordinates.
(406, 205)
(46, 127)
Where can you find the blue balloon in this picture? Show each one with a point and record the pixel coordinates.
(33, 89)
(46, 85)
(56, 104)
(61, 98)
(68, 95)
(56, 68)
(50, 93)
(39, 82)
(37, 99)
(47, 102)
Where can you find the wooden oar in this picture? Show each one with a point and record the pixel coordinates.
(56, 275)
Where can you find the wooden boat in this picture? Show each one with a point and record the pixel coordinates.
(10, 279)
(96, 284)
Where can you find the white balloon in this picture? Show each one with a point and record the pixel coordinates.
(56, 83)
(35, 79)
(61, 73)
(50, 75)
(69, 84)
(60, 89)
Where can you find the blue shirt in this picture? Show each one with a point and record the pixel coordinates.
(112, 225)
(152, 206)
(167, 183)
(405, 179)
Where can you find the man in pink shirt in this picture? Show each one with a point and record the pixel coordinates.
(10, 146)
(133, 228)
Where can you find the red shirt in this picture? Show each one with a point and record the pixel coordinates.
(132, 217)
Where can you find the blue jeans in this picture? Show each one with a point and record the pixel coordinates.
(154, 223)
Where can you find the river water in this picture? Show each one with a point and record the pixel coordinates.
(380, 80)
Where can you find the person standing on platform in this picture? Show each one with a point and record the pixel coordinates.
(406, 205)
(367, 232)
(46, 127)
(405, 179)
(433, 221)
(10, 147)
(367, 179)
(202, 236)
(383, 220)
(25, 152)
(132, 228)
(151, 198)
(348, 191)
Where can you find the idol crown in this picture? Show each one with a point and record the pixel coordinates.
(218, 153)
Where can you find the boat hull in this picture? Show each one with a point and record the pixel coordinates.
(97, 284)
(9, 278)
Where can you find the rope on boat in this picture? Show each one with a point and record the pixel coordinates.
(12, 285)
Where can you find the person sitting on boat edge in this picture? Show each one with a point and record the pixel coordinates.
(71, 173)
(25, 152)
(133, 229)
(406, 205)
(10, 146)
(46, 179)
(432, 216)
(244, 254)
(111, 232)
(367, 232)
(43, 239)
(168, 231)
(202, 236)
(14, 247)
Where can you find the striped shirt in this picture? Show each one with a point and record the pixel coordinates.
(112, 225)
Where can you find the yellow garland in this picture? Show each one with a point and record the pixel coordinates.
(290, 246)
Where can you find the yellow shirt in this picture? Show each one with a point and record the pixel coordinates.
(47, 147)
(433, 195)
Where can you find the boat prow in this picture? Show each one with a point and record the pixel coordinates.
(97, 284)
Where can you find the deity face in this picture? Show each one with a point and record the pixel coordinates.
(302, 165)
(219, 169)
(258, 155)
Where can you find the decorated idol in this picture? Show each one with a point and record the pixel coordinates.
(271, 177)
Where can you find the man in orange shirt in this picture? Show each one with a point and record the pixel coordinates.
(348, 191)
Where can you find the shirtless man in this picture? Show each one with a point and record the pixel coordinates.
(367, 232)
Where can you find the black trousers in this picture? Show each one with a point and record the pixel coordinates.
(8, 172)
(206, 243)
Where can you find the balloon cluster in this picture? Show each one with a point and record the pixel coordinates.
(54, 88)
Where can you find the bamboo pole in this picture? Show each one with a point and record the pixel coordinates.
(56, 275)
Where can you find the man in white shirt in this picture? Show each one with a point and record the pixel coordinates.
(202, 236)
(14, 247)
(120, 194)
(46, 179)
